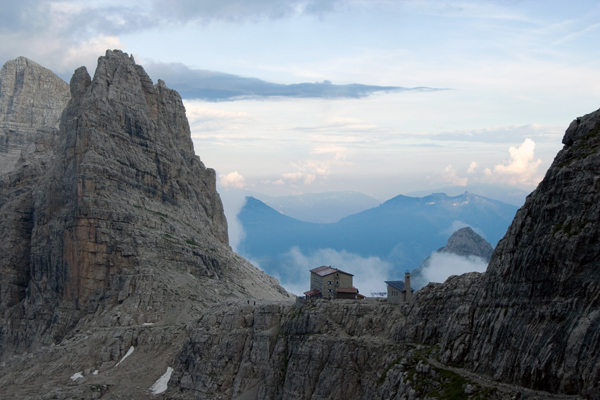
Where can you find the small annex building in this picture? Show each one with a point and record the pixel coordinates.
(399, 291)
(331, 283)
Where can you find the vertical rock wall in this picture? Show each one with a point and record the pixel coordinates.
(124, 214)
(533, 318)
(32, 99)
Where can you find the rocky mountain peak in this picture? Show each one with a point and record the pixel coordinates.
(465, 242)
(121, 215)
(32, 99)
(30, 94)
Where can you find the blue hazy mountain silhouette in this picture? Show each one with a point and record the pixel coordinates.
(403, 231)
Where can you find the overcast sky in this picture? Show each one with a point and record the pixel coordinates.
(296, 96)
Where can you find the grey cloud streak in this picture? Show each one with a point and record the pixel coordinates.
(32, 16)
(218, 86)
(236, 10)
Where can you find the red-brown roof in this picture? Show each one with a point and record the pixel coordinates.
(347, 290)
(325, 270)
(313, 292)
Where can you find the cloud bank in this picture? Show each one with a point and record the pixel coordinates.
(444, 265)
(369, 273)
(218, 86)
(520, 170)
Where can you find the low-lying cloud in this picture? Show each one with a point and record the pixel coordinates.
(233, 201)
(443, 265)
(370, 273)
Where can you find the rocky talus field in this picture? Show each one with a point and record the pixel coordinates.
(117, 280)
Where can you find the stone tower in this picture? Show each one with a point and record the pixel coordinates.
(407, 289)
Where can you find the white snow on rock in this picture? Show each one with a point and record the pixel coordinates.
(129, 352)
(161, 384)
(76, 375)
(95, 372)
(148, 324)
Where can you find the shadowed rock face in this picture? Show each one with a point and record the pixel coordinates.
(123, 203)
(533, 318)
(539, 319)
(32, 99)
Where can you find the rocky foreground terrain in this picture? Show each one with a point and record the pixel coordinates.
(117, 281)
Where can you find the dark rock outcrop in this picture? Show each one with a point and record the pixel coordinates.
(533, 317)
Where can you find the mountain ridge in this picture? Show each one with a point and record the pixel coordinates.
(177, 297)
(403, 231)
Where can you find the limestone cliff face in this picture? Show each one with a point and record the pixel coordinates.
(124, 207)
(533, 318)
(32, 99)
(539, 315)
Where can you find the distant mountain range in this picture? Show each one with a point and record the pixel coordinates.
(402, 231)
(504, 193)
(324, 207)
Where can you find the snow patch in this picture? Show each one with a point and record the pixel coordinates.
(77, 375)
(148, 323)
(95, 372)
(161, 384)
(129, 352)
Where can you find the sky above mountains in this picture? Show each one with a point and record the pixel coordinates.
(383, 97)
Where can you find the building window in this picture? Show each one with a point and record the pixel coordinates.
(330, 291)
(330, 282)
(337, 282)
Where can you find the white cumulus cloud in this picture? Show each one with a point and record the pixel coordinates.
(472, 167)
(449, 174)
(521, 169)
(232, 180)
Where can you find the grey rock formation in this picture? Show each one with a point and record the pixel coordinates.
(465, 243)
(533, 317)
(32, 99)
(323, 350)
(123, 215)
